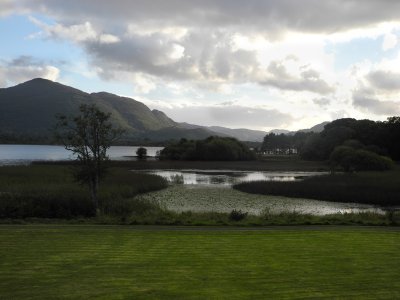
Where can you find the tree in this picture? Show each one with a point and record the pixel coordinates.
(141, 153)
(351, 159)
(211, 148)
(88, 135)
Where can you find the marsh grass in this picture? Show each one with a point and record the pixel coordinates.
(48, 194)
(188, 218)
(51, 192)
(378, 188)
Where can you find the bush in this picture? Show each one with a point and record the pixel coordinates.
(237, 215)
(351, 159)
(141, 153)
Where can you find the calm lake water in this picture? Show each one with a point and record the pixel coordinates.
(22, 154)
(227, 178)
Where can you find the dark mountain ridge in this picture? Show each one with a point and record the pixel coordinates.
(28, 113)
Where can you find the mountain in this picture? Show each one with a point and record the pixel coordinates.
(28, 113)
(280, 131)
(317, 128)
(241, 134)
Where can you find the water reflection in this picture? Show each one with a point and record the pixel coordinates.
(227, 177)
(24, 154)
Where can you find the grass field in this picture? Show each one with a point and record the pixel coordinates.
(100, 262)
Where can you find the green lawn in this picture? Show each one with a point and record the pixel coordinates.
(106, 262)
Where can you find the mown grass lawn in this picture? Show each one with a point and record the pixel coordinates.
(111, 262)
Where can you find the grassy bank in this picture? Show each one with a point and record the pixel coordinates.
(73, 262)
(49, 191)
(378, 188)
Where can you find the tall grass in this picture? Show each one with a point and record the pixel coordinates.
(51, 192)
(378, 188)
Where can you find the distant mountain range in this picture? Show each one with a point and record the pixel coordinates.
(28, 113)
(317, 128)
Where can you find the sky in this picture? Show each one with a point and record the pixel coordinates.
(257, 64)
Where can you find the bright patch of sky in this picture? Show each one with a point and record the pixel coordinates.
(19, 34)
(360, 50)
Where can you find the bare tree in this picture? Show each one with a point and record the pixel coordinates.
(88, 135)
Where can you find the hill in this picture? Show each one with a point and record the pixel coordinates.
(28, 113)
(29, 109)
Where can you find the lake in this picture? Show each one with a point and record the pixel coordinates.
(226, 178)
(23, 154)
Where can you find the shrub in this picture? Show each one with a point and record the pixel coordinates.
(351, 159)
(141, 153)
(237, 215)
(177, 179)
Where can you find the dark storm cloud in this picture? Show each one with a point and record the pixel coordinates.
(385, 80)
(309, 80)
(370, 103)
(323, 102)
(270, 16)
(6, 7)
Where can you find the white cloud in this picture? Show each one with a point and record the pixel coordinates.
(390, 41)
(108, 39)
(78, 33)
(25, 68)
(233, 115)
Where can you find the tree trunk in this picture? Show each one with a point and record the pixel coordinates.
(94, 187)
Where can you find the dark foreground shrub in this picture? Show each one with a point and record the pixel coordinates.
(65, 206)
(237, 215)
(371, 188)
(350, 159)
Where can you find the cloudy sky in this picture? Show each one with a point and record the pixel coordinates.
(259, 64)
